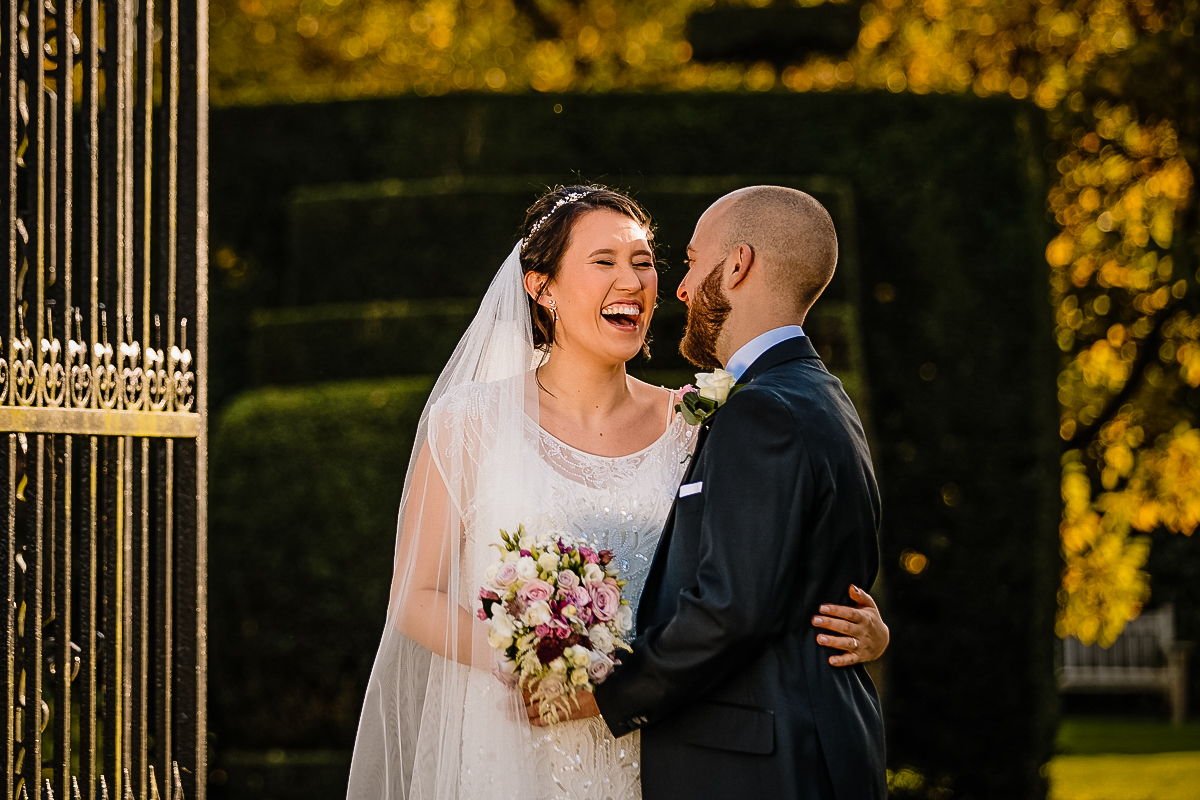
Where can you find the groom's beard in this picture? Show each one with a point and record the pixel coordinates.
(705, 318)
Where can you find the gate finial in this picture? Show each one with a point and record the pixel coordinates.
(176, 782)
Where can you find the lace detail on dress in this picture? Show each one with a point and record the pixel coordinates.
(618, 504)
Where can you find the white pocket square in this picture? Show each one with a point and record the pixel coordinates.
(689, 489)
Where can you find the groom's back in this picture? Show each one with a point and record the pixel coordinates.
(782, 721)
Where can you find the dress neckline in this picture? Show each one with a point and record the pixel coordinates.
(675, 420)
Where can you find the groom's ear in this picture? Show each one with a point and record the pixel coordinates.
(741, 263)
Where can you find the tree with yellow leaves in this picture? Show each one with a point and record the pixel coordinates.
(1116, 77)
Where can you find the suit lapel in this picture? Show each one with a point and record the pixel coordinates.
(664, 540)
(787, 350)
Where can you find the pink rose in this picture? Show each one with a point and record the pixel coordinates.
(561, 629)
(536, 591)
(588, 555)
(567, 580)
(606, 599)
(585, 616)
(482, 615)
(679, 393)
(542, 630)
(580, 597)
(506, 575)
(600, 668)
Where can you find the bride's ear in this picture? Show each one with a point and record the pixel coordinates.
(535, 284)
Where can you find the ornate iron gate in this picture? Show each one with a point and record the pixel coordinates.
(102, 397)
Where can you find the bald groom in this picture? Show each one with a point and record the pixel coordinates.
(778, 513)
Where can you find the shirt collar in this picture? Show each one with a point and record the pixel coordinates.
(748, 353)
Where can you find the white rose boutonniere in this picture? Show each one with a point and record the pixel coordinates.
(698, 404)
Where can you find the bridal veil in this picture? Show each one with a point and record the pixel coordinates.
(431, 691)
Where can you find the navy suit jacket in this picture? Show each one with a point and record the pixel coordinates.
(732, 693)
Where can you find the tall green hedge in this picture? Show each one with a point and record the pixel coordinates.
(946, 214)
(304, 491)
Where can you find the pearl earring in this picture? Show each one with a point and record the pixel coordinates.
(553, 308)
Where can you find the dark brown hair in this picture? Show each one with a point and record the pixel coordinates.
(544, 248)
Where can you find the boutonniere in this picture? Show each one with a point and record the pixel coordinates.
(712, 390)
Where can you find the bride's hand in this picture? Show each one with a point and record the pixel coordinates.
(584, 707)
(864, 637)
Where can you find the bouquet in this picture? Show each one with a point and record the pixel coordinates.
(556, 616)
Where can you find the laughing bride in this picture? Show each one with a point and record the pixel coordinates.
(533, 421)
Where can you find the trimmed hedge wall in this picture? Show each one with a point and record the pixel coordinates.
(304, 491)
(948, 220)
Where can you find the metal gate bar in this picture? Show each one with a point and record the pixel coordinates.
(103, 398)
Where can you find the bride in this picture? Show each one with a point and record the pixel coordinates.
(533, 422)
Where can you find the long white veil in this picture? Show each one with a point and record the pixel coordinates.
(465, 480)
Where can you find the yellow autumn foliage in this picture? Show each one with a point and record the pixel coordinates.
(1121, 187)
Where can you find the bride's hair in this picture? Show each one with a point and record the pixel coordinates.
(547, 235)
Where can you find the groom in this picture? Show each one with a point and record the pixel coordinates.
(728, 681)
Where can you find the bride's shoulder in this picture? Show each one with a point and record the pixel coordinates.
(472, 406)
(649, 393)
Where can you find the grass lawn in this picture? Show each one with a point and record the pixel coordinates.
(1123, 759)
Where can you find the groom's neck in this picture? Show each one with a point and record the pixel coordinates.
(741, 328)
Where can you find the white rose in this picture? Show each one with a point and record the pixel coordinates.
(548, 562)
(502, 624)
(497, 641)
(602, 638)
(526, 568)
(579, 655)
(612, 570)
(715, 385)
(489, 574)
(511, 556)
(624, 619)
(526, 543)
(558, 665)
(592, 573)
(579, 677)
(537, 614)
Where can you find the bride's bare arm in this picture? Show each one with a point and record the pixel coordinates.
(429, 544)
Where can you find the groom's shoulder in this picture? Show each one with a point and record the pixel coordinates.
(797, 383)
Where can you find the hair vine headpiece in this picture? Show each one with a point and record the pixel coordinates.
(570, 198)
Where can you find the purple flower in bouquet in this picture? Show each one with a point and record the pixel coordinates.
(506, 575)
(606, 599)
(600, 667)
(581, 597)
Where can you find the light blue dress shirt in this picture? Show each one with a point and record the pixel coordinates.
(748, 353)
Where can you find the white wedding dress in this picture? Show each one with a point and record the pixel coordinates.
(618, 504)
(436, 723)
